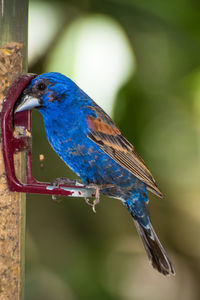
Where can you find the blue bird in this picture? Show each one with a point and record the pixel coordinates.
(88, 141)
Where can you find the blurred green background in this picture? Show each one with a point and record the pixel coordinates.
(140, 60)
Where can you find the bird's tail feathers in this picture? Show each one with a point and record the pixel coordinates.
(155, 251)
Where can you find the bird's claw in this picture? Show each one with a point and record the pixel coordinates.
(87, 201)
(97, 194)
(61, 181)
(93, 204)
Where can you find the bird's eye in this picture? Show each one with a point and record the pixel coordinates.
(41, 86)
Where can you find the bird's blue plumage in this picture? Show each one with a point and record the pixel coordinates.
(66, 130)
(88, 141)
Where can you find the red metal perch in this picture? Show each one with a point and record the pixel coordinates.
(12, 145)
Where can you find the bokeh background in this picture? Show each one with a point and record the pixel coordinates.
(140, 60)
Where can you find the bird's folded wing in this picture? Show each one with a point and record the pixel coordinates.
(108, 137)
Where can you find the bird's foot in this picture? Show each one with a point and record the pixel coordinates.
(61, 181)
(97, 195)
(97, 189)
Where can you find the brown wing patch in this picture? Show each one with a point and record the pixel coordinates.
(100, 126)
(108, 137)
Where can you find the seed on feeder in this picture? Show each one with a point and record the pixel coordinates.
(41, 158)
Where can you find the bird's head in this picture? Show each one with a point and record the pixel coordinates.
(47, 92)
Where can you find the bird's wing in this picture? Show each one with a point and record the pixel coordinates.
(108, 137)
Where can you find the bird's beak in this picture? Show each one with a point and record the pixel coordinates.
(27, 103)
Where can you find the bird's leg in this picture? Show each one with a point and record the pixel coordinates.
(62, 180)
(87, 201)
(97, 194)
(97, 189)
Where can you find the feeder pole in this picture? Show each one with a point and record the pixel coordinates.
(13, 61)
